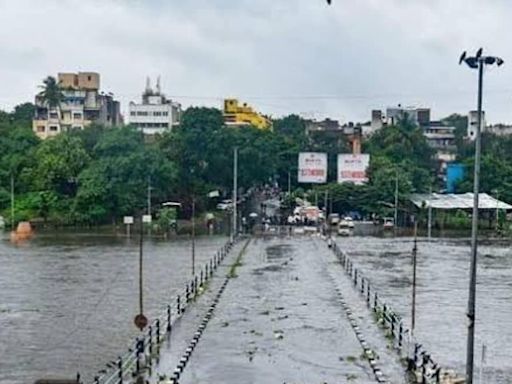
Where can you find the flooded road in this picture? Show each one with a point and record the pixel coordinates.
(443, 276)
(279, 321)
(67, 301)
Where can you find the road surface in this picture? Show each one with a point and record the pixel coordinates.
(279, 320)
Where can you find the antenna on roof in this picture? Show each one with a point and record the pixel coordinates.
(158, 90)
(148, 85)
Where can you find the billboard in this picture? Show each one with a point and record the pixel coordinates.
(312, 167)
(352, 168)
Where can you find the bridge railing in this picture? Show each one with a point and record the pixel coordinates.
(419, 362)
(144, 350)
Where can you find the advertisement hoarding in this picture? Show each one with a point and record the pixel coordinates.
(353, 168)
(312, 167)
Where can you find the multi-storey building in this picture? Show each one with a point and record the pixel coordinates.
(156, 114)
(238, 115)
(82, 104)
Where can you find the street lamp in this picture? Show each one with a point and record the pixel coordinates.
(479, 61)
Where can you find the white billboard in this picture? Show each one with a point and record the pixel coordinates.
(353, 168)
(312, 167)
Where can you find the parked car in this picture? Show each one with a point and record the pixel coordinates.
(225, 205)
(334, 218)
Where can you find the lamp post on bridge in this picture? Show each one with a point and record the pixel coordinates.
(479, 61)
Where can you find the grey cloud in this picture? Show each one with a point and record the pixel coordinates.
(284, 56)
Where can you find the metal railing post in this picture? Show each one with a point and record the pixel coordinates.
(120, 369)
(169, 319)
(150, 341)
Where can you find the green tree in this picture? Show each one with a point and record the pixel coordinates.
(23, 114)
(59, 162)
(51, 93)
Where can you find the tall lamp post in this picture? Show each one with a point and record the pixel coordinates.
(235, 191)
(479, 61)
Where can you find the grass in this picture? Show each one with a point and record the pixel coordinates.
(238, 262)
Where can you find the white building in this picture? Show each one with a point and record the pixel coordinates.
(156, 114)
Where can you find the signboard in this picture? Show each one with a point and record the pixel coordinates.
(312, 167)
(146, 218)
(128, 219)
(140, 321)
(352, 168)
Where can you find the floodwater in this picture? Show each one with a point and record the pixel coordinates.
(442, 292)
(278, 321)
(67, 301)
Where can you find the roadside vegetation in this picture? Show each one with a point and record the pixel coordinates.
(98, 175)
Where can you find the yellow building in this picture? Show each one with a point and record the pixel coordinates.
(236, 114)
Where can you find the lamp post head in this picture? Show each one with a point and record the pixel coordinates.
(474, 61)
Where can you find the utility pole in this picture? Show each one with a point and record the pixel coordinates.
(289, 183)
(326, 198)
(193, 236)
(414, 254)
(474, 233)
(235, 190)
(396, 199)
(149, 203)
(12, 200)
(149, 195)
(475, 62)
(497, 209)
(429, 222)
(141, 253)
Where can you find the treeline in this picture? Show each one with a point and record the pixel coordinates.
(100, 174)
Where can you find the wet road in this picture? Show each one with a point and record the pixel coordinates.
(67, 301)
(278, 321)
(443, 275)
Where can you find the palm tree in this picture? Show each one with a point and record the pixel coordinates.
(51, 93)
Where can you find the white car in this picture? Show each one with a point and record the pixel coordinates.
(225, 205)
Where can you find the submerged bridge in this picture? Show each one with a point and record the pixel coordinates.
(277, 308)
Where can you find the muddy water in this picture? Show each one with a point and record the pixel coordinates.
(443, 275)
(67, 302)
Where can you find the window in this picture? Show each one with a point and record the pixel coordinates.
(157, 113)
(40, 128)
(54, 115)
(77, 116)
(54, 128)
(142, 113)
(89, 78)
(132, 113)
(165, 113)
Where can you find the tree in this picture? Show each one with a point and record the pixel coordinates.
(59, 162)
(460, 123)
(51, 93)
(23, 114)
(115, 182)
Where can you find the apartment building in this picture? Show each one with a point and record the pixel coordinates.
(81, 105)
(155, 114)
(236, 114)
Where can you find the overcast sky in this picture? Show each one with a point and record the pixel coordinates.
(283, 56)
